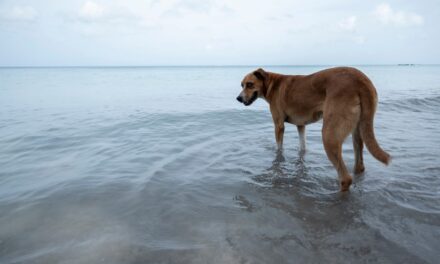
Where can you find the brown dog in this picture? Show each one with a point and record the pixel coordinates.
(344, 97)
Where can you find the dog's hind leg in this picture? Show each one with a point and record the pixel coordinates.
(333, 148)
(358, 146)
(302, 138)
(339, 121)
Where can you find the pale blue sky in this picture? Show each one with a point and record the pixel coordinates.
(215, 32)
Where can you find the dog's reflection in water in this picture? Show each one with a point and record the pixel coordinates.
(284, 173)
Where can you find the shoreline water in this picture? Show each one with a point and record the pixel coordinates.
(163, 165)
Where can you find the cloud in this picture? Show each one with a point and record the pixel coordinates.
(348, 24)
(386, 15)
(19, 13)
(91, 10)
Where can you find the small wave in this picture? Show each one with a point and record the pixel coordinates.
(413, 104)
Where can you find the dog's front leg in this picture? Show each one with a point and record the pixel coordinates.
(278, 121)
(279, 134)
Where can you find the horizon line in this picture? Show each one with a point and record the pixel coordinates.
(213, 66)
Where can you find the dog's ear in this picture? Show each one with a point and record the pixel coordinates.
(260, 74)
(264, 77)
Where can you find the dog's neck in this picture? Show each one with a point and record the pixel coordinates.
(272, 83)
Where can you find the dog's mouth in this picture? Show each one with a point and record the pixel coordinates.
(253, 98)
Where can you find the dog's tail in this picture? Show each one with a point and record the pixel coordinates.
(368, 98)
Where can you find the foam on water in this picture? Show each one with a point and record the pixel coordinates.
(161, 165)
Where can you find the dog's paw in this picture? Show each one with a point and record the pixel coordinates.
(359, 169)
(345, 184)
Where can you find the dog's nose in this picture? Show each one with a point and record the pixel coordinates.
(240, 99)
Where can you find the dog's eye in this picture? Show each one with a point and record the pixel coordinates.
(249, 85)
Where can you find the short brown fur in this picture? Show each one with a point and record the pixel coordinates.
(344, 97)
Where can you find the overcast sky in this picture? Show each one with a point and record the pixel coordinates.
(215, 32)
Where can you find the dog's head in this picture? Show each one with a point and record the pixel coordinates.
(253, 85)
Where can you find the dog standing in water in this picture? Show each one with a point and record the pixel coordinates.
(344, 97)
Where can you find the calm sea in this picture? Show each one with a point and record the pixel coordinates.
(163, 165)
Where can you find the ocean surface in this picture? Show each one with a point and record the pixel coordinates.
(163, 165)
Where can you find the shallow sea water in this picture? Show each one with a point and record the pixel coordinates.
(162, 165)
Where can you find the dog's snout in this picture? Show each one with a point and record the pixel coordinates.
(240, 99)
